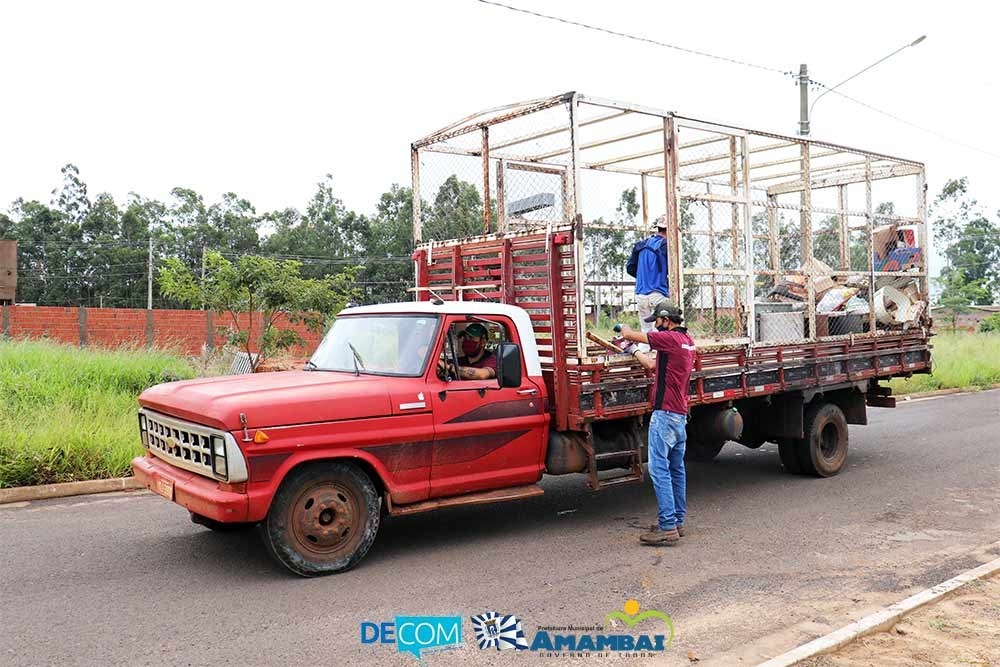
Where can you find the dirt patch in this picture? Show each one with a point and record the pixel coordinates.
(961, 630)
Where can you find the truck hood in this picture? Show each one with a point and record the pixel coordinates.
(272, 399)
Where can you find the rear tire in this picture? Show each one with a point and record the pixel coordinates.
(323, 519)
(703, 451)
(823, 451)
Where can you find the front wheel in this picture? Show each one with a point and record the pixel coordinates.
(323, 519)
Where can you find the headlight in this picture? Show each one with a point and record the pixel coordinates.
(219, 457)
(220, 467)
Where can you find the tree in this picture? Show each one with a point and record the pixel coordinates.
(973, 246)
(72, 199)
(255, 284)
(457, 211)
(608, 249)
(47, 245)
(957, 295)
(389, 270)
(325, 236)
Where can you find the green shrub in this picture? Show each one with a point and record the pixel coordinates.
(990, 324)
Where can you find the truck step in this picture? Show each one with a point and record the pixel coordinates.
(628, 453)
(478, 498)
(612, 481)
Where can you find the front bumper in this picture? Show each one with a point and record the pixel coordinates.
(199, 494)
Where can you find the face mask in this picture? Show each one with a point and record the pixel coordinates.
(470, 346)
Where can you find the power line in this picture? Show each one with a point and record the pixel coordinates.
(744, 63)
(906, 122)
(637, 38)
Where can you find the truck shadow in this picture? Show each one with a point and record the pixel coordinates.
(569, 505)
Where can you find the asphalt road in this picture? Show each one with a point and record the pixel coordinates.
(771, 560)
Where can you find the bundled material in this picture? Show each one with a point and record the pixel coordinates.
(895, 307)
(835, 299)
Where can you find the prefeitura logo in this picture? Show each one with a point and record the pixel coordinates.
(602, 641)
(494, 630)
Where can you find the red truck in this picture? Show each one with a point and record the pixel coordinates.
(379, 423)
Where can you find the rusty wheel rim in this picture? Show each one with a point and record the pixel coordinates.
(325, 520)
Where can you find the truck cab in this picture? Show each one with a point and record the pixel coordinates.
(379, 418)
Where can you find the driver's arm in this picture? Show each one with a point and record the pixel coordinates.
(470, 373)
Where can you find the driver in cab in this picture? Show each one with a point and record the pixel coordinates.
(475, 362)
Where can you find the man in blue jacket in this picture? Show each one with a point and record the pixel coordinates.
(651, 274)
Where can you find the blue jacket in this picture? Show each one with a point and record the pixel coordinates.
(651, 275)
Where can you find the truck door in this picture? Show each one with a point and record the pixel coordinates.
(485, 437)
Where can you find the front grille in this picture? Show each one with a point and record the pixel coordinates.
(183, 444)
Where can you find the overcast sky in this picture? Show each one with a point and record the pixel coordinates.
(263, 99)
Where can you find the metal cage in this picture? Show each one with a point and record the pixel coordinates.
(759, 225)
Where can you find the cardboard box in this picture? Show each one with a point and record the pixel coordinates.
(884, 239)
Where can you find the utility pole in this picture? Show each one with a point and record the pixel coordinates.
(149, 281)
(203, 273)
(803, 100)
(805, 109)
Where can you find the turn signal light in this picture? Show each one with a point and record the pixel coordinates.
(260, 437)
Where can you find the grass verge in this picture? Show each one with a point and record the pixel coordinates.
(69, 414)
(961, 361)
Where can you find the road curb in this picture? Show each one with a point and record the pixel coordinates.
(19, 494)
(946, 392)
(882, 620)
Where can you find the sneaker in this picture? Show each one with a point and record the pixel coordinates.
(660, 538)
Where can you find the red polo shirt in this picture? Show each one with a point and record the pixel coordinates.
(672, 374)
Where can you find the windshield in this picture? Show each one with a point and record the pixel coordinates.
(377, 345)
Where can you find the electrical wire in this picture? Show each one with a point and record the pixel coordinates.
(744, 63)
(906, 122)
(647, 40)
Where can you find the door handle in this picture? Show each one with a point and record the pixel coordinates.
(527, 392)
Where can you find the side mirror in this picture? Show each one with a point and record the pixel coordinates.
(509, 365)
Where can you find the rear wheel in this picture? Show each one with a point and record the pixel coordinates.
(823, 451)
(696, 450)
(323, 519)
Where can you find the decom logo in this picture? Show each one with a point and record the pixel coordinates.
(597, 640)
(413, 634)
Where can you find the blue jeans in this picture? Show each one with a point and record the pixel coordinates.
(667, 438)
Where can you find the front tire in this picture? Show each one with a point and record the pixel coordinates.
(323, 519)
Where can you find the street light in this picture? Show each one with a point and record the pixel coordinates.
(803, 78)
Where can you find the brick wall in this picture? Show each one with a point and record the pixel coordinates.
(185, 331)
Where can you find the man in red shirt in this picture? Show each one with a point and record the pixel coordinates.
(668, 423)
(475, 362)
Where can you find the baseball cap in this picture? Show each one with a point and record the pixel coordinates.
(665, 309)
(660, 223)
(476, 330)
